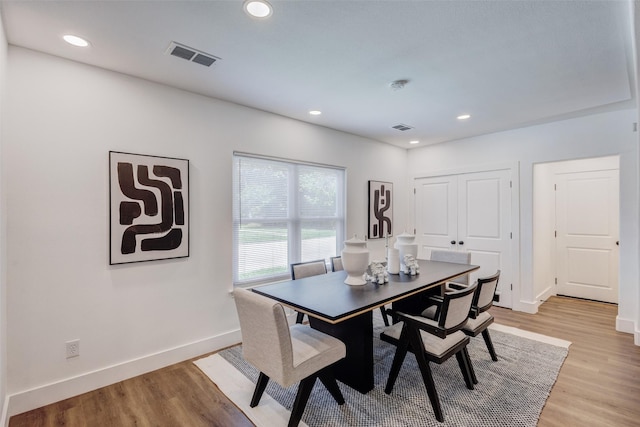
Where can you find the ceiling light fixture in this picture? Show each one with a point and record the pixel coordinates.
(414, 142)
(463, 116)
(315, 112)
(257, 8)
(75, 40)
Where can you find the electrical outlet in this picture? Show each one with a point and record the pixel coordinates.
(73, 348)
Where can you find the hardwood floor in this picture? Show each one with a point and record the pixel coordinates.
(598, 385)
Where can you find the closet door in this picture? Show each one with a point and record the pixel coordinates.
(472, 213)
(436, 214)
(484, 225)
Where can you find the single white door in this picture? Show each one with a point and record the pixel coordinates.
(587, 227)
(468, 212)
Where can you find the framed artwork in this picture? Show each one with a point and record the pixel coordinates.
(380, 209)
(149, 208)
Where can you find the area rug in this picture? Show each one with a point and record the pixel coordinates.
(510, 392)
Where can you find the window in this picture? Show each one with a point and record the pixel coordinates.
(283, 212)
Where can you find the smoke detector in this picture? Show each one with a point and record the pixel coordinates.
(398, 84)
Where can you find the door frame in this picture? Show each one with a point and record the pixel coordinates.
(514, 168)
(544, 216)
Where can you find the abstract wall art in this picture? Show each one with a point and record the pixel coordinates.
(380, 209)
(149, 212)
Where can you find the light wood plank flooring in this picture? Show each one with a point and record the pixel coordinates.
(598, 385)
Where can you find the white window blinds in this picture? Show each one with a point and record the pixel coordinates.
(283, 212)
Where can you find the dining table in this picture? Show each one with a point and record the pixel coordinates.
(346, 311)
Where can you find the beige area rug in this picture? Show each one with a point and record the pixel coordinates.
(511, 392)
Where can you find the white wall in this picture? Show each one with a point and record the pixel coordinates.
(593, 136)
(62, 120)
(3, 233)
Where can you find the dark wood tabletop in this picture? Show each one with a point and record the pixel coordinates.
(328, 298)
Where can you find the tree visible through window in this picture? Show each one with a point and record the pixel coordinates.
(283, 212)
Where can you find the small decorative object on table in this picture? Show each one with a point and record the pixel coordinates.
(378, 273)
(406, 246)
(411, 266)
(355, 259)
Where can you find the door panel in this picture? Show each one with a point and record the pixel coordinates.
(437, 223)
(587, 233)
(474, 212)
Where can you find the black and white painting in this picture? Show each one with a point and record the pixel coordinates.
(149, 199)
(380, 209)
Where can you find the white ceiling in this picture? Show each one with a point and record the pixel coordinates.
(507, 63)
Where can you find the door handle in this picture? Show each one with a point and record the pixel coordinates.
(461, 242)
(617, 242)
(453, 242)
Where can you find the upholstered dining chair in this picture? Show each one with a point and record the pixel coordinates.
(433, 341)
(300, 270)
(455, 257)
(285, 354)
(479, 317)
(336, 265)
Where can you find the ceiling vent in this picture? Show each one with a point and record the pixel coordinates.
(402, 127)
(191, 54)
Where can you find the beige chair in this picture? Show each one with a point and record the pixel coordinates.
(455, 257)
(336, 265)
(433, 341)
(300, 270)
(285, 355)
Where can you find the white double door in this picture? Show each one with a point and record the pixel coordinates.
(587, 210)
(468, 212)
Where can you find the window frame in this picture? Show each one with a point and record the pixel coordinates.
(294, 220)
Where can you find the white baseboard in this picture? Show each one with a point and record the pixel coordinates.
(530, 307)
(625, 325)
(50, 393)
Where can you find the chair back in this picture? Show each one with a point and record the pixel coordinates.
(266, 339)
(455, 257)
(301, 270)
(455, 309)
(336, 263)
(487, 286)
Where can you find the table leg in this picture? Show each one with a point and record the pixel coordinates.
(356, 369)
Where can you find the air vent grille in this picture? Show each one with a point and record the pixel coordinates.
(402, 127)
(191, 54)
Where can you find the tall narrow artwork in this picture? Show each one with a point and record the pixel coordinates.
(380, 209)
(149, 198)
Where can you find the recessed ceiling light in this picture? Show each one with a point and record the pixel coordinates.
(75, 40)
(315, 112)
(463, 116)
(258, 8)
(414, 142)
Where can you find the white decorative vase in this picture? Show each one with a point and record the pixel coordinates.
(406, 245)
(393, 261)
(355, 260)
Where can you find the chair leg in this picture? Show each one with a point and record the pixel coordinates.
(487, 340)
(261, 384)
(425, 370)
(384, 316)
(463, 362)
(304, 391)
(398, 358)
(299, 317)
(471, 370)
(329, 381)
